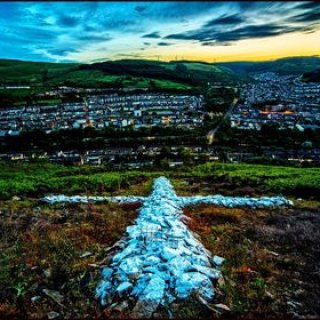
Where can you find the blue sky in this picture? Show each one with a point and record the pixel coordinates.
(210, 31)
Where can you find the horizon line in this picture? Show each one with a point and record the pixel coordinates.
(164, 61)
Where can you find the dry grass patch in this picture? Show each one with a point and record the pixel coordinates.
(57, 248)
(272, 258)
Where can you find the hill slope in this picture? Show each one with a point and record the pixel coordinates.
(193, 73)
(178, 75)
(313, 76)
(122, 73)
(293, 65)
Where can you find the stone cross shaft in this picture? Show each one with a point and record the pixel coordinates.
(160, 261)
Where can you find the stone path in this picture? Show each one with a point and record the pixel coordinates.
(160, 260)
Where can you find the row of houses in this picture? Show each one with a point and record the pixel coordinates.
(282, 100)
(113, 110)
(123, 157)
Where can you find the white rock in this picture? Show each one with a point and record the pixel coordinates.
(154, 290)
(123, 287)
(218, 260)
(131, 265)
(53, 315)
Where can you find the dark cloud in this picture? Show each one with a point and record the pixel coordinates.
(163, 44)
(154, 35)
(33, 34)
(189, 9)
(130, 55)
(140, 9)
(216, 44)
(238, 26)
(94, 37)
(146, 43)
(226, 20)
(246, 32)
(308, 5)
(68, 21)
(310, 16)
(60, 52)
(88, 28)
(123, 24)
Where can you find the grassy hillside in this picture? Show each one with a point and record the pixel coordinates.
(313, 76)
(32, 73)
(144, 73)
(294, 65)
(36, 179)
(51, 255)
(193, 73)
(123, 73)
(38, 74)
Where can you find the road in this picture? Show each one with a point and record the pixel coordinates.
(211, 133)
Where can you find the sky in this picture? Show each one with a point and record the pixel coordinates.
(203, 31)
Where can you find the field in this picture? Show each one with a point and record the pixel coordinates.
(36, 179)
(50, 255)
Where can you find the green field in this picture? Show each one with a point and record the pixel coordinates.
(144, 73)
(285, 180)
(122, 73)
(31, 73)
(37, 179)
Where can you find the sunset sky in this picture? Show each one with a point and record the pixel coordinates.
(208, 31)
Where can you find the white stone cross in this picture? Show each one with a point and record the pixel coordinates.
(161, 260)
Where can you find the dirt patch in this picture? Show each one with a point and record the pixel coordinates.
(51, 256)
(272, 258)
(223, 184)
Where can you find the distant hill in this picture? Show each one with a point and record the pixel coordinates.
(313, 76)
(176, 75)
(294, 65)
(193, 73)
(122, 73)
(26, 72)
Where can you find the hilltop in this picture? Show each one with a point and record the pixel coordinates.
(122, 73)
(176, 75)
(291, 65)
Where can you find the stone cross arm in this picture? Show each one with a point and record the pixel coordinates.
(163, 185)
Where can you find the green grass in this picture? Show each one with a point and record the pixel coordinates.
(286, 180)
(15, 72)
(53, 74)
(36, 179)
(32, 179)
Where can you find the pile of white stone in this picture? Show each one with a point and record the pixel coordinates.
(89, 199)
(161, 261)
(217, 200)
(236, 202)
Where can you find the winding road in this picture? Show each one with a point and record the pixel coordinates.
(211, 133)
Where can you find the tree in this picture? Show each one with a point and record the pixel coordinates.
(186, 155)
(181, 68)
(164, 164)
(44, 76)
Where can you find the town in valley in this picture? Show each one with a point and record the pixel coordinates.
(268, 99)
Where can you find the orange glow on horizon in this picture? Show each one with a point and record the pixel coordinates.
(272, 48)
